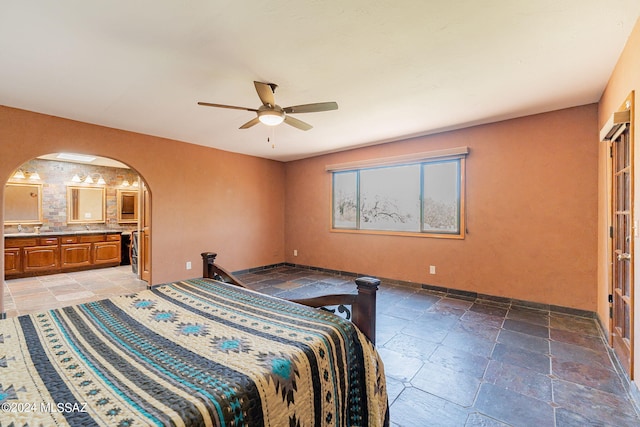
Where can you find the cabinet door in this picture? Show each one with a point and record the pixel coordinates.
(12, 260)
(38, 258)
(106, 252)
(75, 255)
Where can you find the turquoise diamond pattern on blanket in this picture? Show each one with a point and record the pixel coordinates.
(231, 345)
(283, 373)
(164, 316)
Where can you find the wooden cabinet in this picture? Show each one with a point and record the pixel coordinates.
(12, 260)
(107, 252)
(73, 253)
(104, 249)
(54, 254)
(77, 255)
(40, 258)
(13, 254)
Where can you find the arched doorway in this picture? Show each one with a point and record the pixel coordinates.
(79, 197)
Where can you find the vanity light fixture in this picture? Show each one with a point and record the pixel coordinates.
(88, 179)
(20, 174)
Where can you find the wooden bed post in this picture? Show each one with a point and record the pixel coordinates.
(208, 258)
(211, 270)
(364, 311)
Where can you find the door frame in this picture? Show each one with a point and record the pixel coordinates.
(617, 124)
(144, 233)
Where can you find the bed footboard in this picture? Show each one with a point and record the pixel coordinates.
(363, 304)
(211, 270)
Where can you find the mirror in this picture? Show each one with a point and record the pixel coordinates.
(85, 205)
(23, 203)
(127, 206)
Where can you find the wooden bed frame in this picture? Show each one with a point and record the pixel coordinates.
(363, 304)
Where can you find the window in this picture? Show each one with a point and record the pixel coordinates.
(424, 198)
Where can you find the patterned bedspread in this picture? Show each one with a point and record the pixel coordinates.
(197, 352)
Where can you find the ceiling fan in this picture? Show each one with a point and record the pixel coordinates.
(272, 114)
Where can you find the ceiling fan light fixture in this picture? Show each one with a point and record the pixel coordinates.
(271, 117)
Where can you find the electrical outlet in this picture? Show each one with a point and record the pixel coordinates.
(295, 252)
(432, 269)
(188, 265)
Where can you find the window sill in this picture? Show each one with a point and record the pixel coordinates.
(457, 236)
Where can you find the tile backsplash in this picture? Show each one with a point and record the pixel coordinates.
(55, 177)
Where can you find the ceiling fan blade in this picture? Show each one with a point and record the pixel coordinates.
(292, 121)
(265, 92)
(250, 123)
(208, 104)
(311, 108)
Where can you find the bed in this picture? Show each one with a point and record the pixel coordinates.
(204, 351)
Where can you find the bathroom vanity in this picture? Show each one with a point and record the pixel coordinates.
(31, 254)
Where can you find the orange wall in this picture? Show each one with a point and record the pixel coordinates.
(531, 213)
(624, 80)
(203, 199)
(531, 204)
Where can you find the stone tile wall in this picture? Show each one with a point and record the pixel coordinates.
(56, 176)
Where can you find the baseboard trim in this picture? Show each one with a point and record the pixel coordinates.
(470, 295)
(630, 386)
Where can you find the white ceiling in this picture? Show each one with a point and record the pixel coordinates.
(395, 68)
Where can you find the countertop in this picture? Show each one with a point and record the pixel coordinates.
(64, 233)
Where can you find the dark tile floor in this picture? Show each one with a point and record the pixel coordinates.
(452, 361)
(449, 361)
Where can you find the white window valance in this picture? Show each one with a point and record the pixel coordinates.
(615, 125)
(402, 159)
